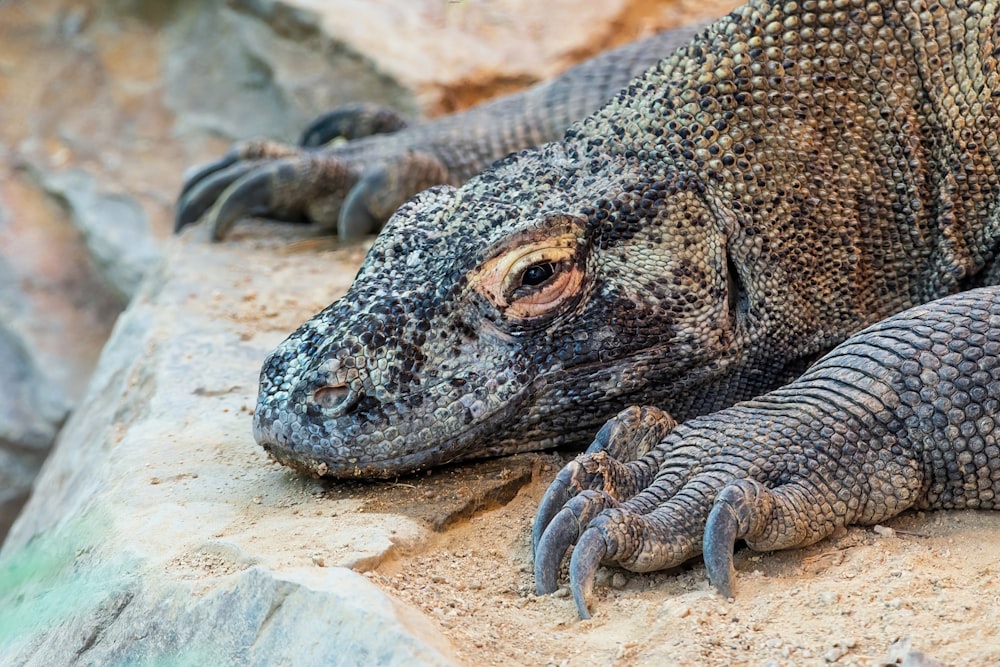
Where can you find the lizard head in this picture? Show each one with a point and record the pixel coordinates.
(518, 312)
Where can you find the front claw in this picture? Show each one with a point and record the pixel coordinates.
(203, 185)
(206, 186)
(629, 435)
(743, 509)
(384, 188)
(292, 188)
(349, 122)
(581, 473)
(587, 556)
(562, 532)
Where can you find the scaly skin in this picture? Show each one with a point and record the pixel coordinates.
(353, 188)
(791, 177)
(903, 414)
(800, 171)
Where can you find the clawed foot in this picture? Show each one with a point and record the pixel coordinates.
(348, 188)
(592, 483)
(700, 488)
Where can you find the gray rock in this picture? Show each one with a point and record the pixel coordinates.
(264, 69)
(113, 612)
(29, 415)
(114, 226)
(31, 412)
(159, 530)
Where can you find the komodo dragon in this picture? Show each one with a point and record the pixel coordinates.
(801, 170)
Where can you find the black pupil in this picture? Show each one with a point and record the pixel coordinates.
(537, 274)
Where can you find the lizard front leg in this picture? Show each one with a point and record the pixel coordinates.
(903, 414)
(350, 189)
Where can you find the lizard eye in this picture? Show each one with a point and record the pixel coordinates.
(533, 280)
(537, 274)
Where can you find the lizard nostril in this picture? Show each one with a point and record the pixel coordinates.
(335, 398)
(330, 396)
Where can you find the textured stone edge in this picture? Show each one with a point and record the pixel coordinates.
(61, 603)
(79, 581)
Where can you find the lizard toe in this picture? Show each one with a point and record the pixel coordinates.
(632, 432)
(587, 556)
(203, 185)
(309, 186)
(737, 512)
(562, 532)
(628, 436)
(349, 122)
(383, 188)
(559, 492)
(204, 192)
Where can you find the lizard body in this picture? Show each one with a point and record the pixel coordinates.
(801, 170)
(352, 188)
(901, 415)
(735, 212)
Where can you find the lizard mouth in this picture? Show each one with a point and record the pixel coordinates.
(348, 444)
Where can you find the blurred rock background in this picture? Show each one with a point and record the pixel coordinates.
(104, 104)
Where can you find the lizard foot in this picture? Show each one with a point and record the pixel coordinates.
(349, 188)
(790, 515)
(628, 436)
(642, 534)
(594, 481)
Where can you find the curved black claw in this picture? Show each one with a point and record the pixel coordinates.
(203, 189)
(565, 528)
(583, 564)
(249, 197)
(742, 510)
(552, 545)
(198, 173)
(552, 502)
(721, 531)
(351, 122)
(356, 219)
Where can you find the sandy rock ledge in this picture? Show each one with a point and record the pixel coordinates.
(161, 531)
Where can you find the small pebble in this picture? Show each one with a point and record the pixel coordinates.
(835, 654)
(884, 531)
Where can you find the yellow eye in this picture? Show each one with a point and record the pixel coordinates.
(532, 279)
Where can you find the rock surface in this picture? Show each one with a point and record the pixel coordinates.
(159, 530)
